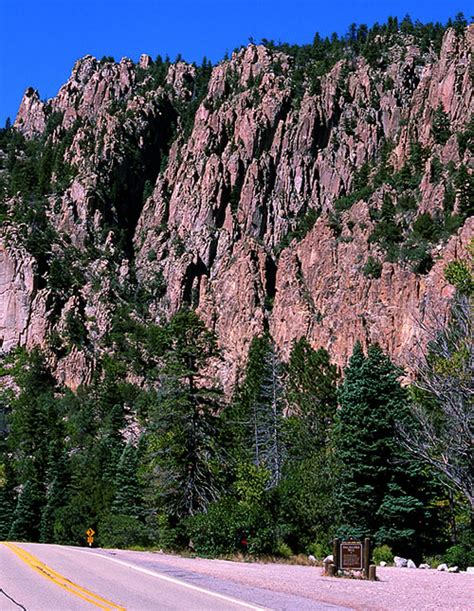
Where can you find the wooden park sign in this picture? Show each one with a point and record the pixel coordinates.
(351, 556)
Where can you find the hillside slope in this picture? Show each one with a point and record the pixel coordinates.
(316, 195)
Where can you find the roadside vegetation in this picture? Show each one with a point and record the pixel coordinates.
(300, 454)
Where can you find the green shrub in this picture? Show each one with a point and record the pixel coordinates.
(319, 550)
(372, 268)
(229, 527)
(383, 553)
(151, 255)
(122, 532)
(459, 555)
(433, 561)
(425, 227)
(162, 534)
(459, 275)
(284, 550)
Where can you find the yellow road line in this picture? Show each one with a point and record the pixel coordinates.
(60, 580)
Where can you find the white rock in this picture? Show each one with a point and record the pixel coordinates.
(453, 569)
(423, 565)
(400, 562)
(442, 567)
(329, 558)
(382, 563)
(470, 569)
(311, 558)
(411, 564)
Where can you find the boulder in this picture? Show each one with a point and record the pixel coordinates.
(423, 565)
(411, 564)
(400, 562)
(470, 570)
(442, 567)
(311, 559)
(453, 569)
(382, 563)
(329, 559)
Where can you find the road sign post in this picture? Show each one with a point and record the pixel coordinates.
(90, 536)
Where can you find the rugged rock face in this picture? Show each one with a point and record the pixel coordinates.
(211, 199)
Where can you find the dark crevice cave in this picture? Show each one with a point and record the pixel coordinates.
(192, 282)
(270, 278)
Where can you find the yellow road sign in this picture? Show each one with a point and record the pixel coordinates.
(90, 532)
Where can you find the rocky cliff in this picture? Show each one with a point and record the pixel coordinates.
(266, 192)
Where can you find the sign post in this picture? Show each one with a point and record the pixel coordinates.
(90, 536)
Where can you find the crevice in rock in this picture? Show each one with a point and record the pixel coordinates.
(192, 282)
(320, 136)
(270, 282)
(123, 193)
(265, 141)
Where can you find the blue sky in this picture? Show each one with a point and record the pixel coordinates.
(41, 39)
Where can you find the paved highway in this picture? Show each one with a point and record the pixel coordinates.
(37, 577)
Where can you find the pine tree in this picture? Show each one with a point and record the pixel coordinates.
(34, 427)
(56, 492)
(183, 426)
(441, 126)
(129, 494)
(380, 491)
(312, 396)
(27, 514)
(7, 496)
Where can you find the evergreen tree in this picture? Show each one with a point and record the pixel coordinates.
(441, 126)
(129, 494)
(312, 397)
(183, 424)
(7, 497)
(380, 491)
(56, 493)
(27, 514)
(35, 426)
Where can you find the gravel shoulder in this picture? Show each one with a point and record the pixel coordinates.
(396, 589)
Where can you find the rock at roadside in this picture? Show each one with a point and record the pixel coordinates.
(329, 559)
(411, 564)
(453, 569)
(382, 563)
(400, 562)
(311, 559)
(423, 565)
(470, 570)
(442, 567)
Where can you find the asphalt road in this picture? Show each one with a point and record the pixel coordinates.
(38, 577)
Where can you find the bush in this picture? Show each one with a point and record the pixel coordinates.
(459, 555)
(229, 527)
(383, 553)
(319, 550)
(372, 268)
(163, 534)
(122, 532)
(284, 550)
(433, 561)
(151, 255)
(459, 275)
